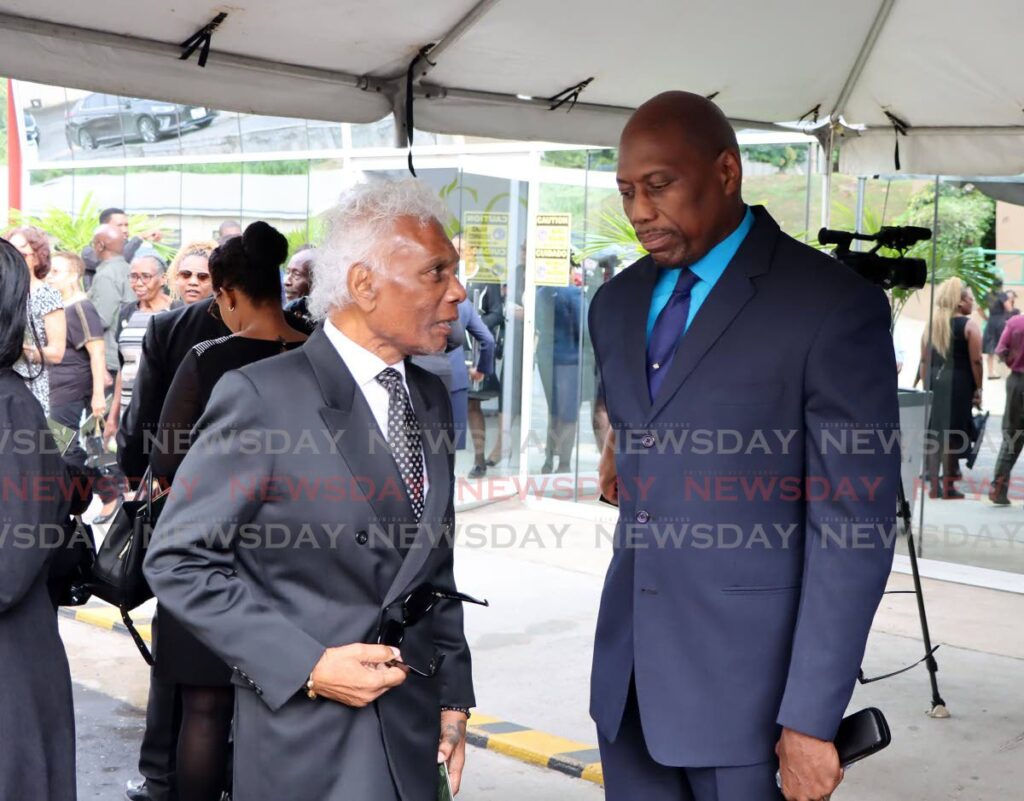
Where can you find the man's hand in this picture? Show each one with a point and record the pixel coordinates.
(451, 748)
(475, 374)
(357, 675)
(809, 767)
(607, 478)
(155, 235)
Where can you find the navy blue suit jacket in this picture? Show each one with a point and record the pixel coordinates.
(757, 500)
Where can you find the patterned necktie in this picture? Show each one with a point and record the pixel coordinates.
(668, 330)
(404, 437)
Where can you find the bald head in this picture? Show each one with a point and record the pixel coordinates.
(107, 241)
(680, 176)
(690, 116)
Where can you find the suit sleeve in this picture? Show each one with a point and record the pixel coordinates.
(190, 563)
(849, 391)
(31, 525)
(449, 634)
(143, 412)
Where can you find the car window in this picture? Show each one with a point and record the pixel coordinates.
(93, 101)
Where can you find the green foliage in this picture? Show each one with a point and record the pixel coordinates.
(72, 232)
(967, 219)
(285, 167)
(613, 230)
(69, 232)
(604, 160)
(312, 233)
(782, 156)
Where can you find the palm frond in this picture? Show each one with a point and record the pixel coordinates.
(613, 230)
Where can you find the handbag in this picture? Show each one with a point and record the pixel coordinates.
(117, 575)
(70, 571)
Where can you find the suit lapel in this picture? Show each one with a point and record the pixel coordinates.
(634, 307)
(728, 297)
(362, 445)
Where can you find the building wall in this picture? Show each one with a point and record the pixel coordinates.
(1010, 236)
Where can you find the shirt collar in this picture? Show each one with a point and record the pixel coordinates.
(711, 266)
(364, 365)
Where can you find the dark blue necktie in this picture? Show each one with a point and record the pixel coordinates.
(668, 330)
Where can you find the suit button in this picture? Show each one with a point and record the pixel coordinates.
(647, 441)
(643, 516)
(362, 538)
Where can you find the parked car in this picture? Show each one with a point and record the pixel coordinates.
(31, 129)
(108, 119)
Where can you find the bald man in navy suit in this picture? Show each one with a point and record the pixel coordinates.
(739, 367)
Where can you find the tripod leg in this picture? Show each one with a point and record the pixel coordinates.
(938, 709)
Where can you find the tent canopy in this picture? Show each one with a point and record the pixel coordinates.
(947, 73)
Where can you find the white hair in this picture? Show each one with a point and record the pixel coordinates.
(355, 227)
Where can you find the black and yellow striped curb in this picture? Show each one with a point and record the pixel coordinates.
(536, 747)
(519, 742)
(107, 617)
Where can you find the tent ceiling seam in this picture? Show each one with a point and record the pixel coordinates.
(862, 58)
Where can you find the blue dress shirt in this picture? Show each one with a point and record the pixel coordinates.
(708, 269)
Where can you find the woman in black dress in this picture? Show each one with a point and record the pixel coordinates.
(245, 272)
(951, 353)
(37, 722)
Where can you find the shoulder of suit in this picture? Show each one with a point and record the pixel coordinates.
(814, 269)
(204, 347)
(424, 378)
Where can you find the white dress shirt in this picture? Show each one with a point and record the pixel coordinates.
(365, 367)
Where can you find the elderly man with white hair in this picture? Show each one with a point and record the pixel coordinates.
(308, 536)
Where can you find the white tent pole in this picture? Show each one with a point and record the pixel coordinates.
(435, 92)
(812, 154)
(526, 433)
(862, 58)
(826, 185)
(461, 28)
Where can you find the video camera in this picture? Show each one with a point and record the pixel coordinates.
(889, 272)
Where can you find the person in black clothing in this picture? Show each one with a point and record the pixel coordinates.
(996, 314)
(951, 353)
(37, 760)
(247, 289)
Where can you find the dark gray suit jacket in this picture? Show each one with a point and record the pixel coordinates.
(277, 544)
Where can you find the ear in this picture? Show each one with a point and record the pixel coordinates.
(230, 297)
(730, 170)
(362, 286)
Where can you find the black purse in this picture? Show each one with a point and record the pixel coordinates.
(117, 575)
(70, 572)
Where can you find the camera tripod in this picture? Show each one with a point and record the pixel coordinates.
(938, 708)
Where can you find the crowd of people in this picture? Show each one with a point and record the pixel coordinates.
(957, 357)
(117, 345)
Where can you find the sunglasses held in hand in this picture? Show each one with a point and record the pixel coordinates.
(412, 609)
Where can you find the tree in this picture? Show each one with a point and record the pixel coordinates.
(781, 156)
